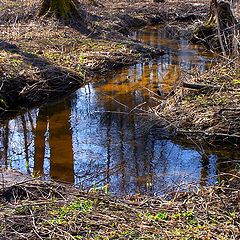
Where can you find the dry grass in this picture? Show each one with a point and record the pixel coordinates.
(43, 59)
(48, 210)
(39, 58)
(207, 104)
(213, 110)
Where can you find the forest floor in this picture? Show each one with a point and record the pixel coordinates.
(33, 209)
(43, 59)
(205, 106)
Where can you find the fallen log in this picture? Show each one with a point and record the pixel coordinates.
(198, 86)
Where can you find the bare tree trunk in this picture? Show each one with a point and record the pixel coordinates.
(218, 23)
(59, 8)
(220, 29)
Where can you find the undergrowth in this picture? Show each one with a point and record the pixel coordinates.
(55, 211)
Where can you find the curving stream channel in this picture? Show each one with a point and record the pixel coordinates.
(94, 139)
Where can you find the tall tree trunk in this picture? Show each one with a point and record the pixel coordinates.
(59, 8)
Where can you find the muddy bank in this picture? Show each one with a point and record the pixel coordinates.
(57, 211)
(42, 60)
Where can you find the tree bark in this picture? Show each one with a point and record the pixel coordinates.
(59, 8)
(219, 31)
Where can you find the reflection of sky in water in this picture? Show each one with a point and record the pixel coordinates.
(136, 159)
(85, 139)
(20, 147)
(111, 149)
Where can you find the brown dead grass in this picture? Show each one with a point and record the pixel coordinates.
(37, 56)
(211, 112)
(34, 209)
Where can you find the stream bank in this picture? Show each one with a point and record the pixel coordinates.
(56, 211)
(206, 105)
(102, 134)
(126, 93)
(42, 60)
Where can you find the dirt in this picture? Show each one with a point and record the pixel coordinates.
(43, 59)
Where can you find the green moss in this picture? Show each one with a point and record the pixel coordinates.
(161, 216)
(236, 81)
(82, 59)
(20, 210)
(52, 55)
(3, 103)
(61, 215)
(202, 100)
(78, 237)
(60, 8)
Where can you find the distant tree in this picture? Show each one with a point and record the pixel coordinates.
(59, 8)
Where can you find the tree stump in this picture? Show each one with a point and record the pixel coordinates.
(221, 29)
(60, 8)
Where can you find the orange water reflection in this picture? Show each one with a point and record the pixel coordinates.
(54, 121)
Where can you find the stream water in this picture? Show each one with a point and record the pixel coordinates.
(94, 139)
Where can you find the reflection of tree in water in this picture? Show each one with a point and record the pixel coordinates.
(131, 153)
(109, 147)
(16, 136)
(116, 149)
(4, 148)
(56, 118)
(129, 146)
(40, 131)
(134, 160)
(26, 140)
(145, 162)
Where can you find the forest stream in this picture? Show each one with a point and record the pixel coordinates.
(94, 138)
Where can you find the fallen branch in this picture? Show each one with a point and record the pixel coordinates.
(228, 110)
(222, 136)
(198, 86)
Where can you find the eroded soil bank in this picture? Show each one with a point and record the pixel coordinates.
(206, 105)
(42, 59)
